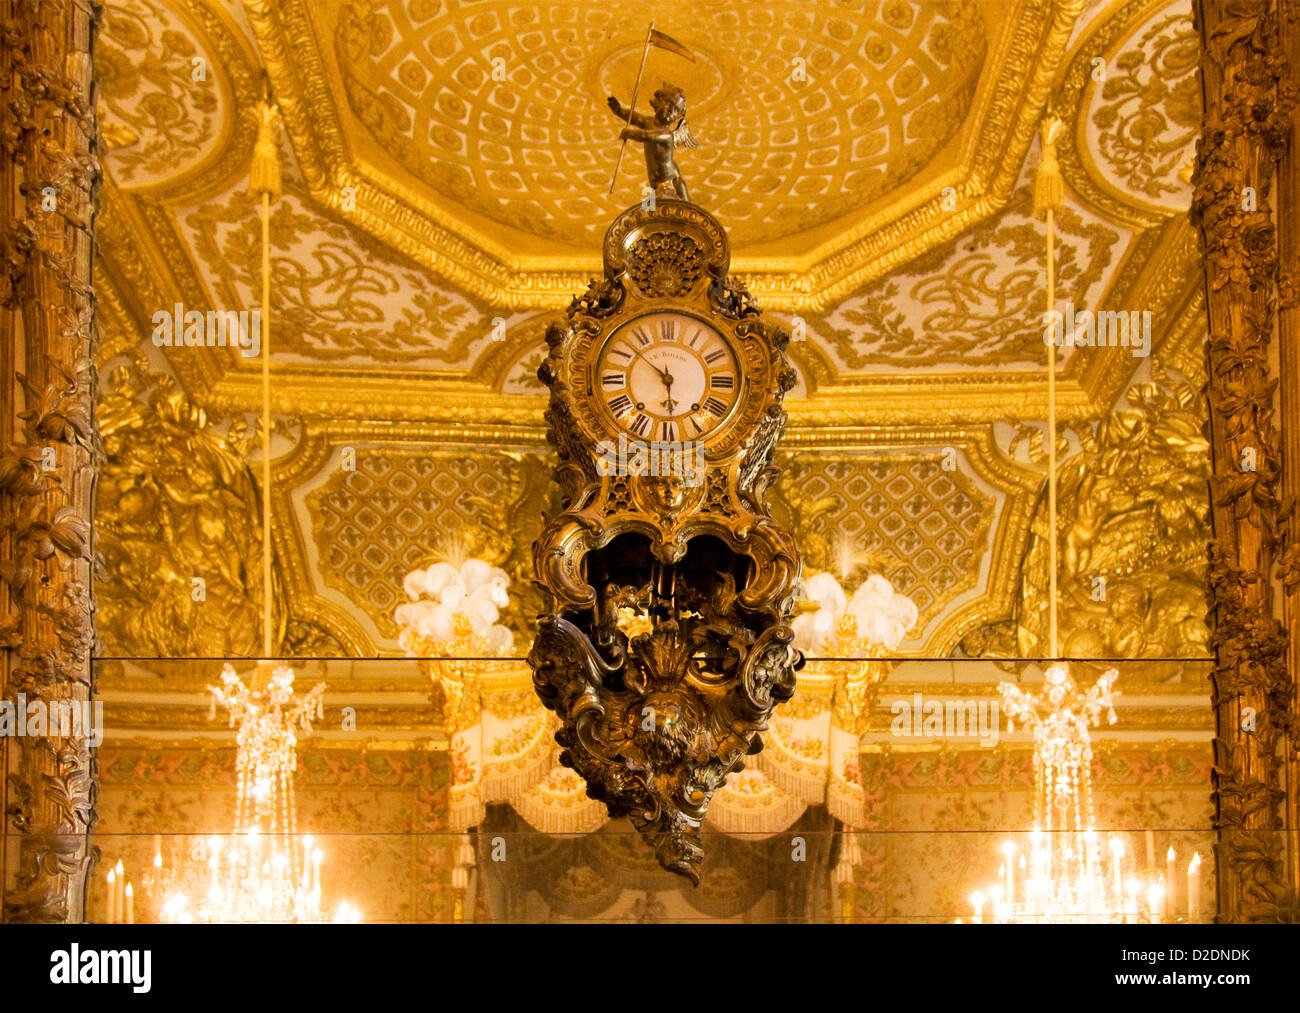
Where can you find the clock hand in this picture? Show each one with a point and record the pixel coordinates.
(664, 376)
(669, 403)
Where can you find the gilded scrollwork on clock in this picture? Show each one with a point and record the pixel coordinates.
(666, 643)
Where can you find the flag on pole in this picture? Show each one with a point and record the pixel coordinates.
(672, 45)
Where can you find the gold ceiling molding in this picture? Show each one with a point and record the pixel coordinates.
(467, 412)
(1160, 276)
(1184, 350)
(410, 218)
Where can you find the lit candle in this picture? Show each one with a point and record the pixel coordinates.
(316, 857)
(1194, 888)
(977, 902)
(130, 905)
(111, 918)
(1009, 851)
(1151, 849)
(1156, 900)
(1171, 873)
(121, 892)
(157, 851)
(1117, 865)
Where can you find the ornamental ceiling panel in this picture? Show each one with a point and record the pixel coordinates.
(356, 287)
(977, 300)
(163, 112)
(338, 295)
(475, 135)
(394, 513)
(1141, 122)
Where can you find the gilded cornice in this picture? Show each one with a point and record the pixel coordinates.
(469, 411)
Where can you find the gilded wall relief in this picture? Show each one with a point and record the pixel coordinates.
(977, 300)
(178, 522)
(1133, 527)
(500, 106)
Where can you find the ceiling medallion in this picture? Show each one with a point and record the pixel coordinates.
(667, 640)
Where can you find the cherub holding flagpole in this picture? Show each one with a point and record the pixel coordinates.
(661, 134)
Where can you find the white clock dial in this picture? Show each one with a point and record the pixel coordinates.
(667, 377)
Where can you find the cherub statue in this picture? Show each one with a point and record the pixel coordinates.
(660, 136)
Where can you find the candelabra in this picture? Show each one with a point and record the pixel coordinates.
(262, 872)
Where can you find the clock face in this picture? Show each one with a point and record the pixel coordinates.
(667, 377)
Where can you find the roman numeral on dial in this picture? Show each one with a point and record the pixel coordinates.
(642, 336)
(715, 407)
(668, 330)
(613, 381)
(642, 425)
(723, 381)
(668, 431)
(714, 356)
(621, 405)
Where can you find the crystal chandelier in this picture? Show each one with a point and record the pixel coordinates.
(263, 872)
(1064, 871)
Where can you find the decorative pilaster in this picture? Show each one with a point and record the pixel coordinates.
(49, 177)
(1246, 117)
(1288, 327)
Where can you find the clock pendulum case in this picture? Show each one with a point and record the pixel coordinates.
(666, 642)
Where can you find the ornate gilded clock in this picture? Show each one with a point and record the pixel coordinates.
(666, 643)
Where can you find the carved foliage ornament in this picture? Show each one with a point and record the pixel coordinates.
(665, 645)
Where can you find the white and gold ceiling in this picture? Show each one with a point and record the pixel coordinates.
(446, 173)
